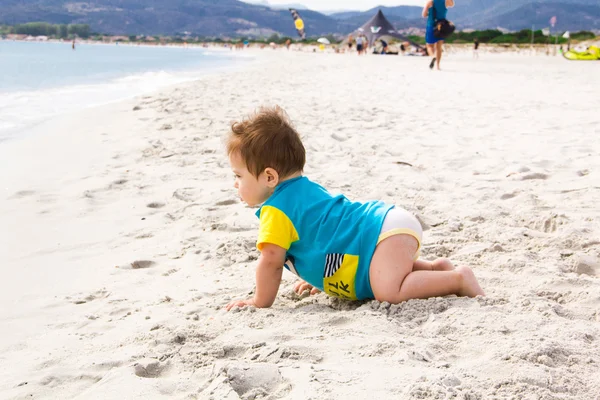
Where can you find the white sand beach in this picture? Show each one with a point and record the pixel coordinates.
(123, 238)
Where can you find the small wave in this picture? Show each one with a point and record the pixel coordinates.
(158, 75)
(22, 109)
(26, 108)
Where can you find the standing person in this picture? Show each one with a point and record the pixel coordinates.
(359, 44)
(350, 40)
(366, 45)
(435, 9)
(475, 48)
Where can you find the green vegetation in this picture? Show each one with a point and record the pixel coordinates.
(50, 30)
(83, 31)
(520, 37)
(417, 39)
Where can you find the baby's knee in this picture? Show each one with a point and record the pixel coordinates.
(389, 297)
(442, 264)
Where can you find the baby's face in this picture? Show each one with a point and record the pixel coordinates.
(253, 191)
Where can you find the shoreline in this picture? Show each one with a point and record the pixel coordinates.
(125, 237)
(79, 96)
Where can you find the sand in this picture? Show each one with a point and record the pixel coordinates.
(123, 237)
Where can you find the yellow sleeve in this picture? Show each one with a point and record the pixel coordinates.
(275, 228)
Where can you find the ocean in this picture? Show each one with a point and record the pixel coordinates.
(41, 80)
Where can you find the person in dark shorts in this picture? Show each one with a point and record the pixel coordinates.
(359, 44)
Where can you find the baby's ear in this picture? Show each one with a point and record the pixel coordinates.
(272, 177)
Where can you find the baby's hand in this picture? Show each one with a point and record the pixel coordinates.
(240, 303)
(301, 286)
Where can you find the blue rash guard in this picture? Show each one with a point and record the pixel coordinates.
(440, 13)
(330, 240)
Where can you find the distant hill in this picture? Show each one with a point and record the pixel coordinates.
(484, 14)
(153, 17)
(537, 14)
(266, 3)
(405, 12)
(522, 14)
(230, 18)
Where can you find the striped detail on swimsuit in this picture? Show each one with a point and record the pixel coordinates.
(333, 262)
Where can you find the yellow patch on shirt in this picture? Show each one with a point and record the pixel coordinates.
(275, 228)
(340, 275)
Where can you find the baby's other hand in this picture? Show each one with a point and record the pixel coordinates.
(240, 304)
(301, 286)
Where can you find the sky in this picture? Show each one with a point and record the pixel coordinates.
(348, 4)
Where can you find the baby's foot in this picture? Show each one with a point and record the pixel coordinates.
(470, 286)
(442, 264)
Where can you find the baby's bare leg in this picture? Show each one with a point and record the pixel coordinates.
(441, 264)
(393, 279)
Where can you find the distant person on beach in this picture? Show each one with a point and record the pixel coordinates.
(360, 41)
(435, 9)
(350, 40)
(350, 250)
(73, 45)
(475, 48)
(384, 46)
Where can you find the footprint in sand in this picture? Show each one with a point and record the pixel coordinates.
(118, 183)
(170, 272)
(226, 202)
(138, 264)
(586, 265)
(186, 194)
(507, 196)
(145, 235)
(548, 223)
(99, 294)
(423, 356)
(534, 175)
(525, 174)
(22, 193)
(149, 368)
(257, 380)
(155, 204)
(224, 227)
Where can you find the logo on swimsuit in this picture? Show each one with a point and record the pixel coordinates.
(339, 275)
(375, 29)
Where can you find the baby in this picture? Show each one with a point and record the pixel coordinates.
(350, 250)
